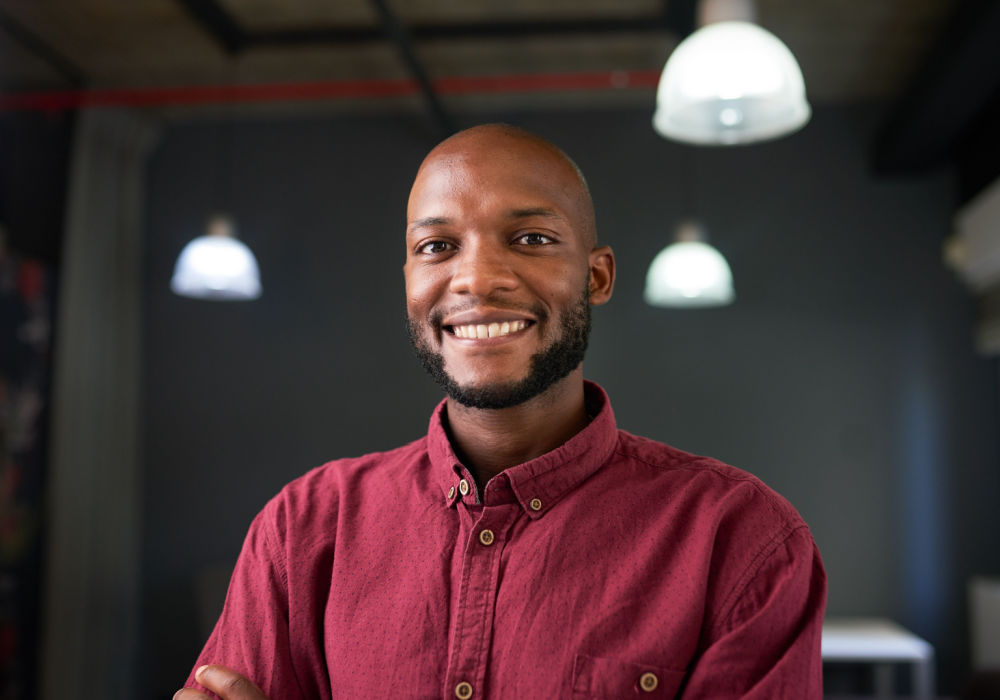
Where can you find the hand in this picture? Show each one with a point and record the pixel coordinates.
(224, 682)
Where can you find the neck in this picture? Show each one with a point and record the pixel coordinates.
(489, 441)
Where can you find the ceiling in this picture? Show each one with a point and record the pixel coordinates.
(849, 49)
(531, 50)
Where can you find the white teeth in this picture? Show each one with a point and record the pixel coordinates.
(492, 330)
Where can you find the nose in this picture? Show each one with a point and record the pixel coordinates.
(482, 269)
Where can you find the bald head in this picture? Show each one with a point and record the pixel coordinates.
(512, 149)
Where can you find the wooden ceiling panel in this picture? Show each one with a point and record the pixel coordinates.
(555, 55)
(375, 61)
(22, 69)
(113, 42)
(851, 51)
(268, 15)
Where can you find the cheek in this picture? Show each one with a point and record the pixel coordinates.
(421, 290)
(561, 290)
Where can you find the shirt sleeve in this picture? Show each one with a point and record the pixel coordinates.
(252, 634)
(766, 644)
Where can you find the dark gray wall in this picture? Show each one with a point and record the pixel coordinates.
(843, 376)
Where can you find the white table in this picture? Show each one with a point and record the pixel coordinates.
(881, 643)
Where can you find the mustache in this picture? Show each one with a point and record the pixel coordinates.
(437, 316)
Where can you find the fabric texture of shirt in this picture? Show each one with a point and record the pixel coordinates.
(614, 566)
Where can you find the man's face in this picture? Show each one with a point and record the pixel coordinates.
(498, 270)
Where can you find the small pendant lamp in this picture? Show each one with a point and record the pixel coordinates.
(730, 82)
(217, 266)
(689, 273)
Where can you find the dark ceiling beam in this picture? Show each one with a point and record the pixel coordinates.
(459, 30)
(465, 30)
(938, 114)
(677, 18)
(218, 23)
(514, 29)
(398, 34)
(66, 69)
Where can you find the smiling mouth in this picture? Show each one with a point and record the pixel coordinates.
(487, 330)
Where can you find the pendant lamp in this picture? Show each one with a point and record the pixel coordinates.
(689, 273)
(730, 82)
(217, 266)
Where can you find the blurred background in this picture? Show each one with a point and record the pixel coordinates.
(141, 431)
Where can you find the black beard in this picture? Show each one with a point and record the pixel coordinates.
(548, 365)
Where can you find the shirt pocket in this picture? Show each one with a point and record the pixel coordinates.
(595, 677)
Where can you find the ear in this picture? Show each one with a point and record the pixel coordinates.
(602, 275)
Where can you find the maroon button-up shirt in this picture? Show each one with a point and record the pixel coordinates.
(611, 567)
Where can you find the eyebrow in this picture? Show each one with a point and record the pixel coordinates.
(428, 221)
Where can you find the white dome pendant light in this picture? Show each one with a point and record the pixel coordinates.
(730, 82)
(689, 273)
(217, 266)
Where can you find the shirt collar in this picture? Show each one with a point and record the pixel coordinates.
(541, 482)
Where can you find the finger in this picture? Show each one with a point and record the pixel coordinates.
(228, 684)
(189, 694)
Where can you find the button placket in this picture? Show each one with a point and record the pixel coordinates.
(470, 649)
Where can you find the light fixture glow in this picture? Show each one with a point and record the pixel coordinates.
(689, 273)
(730, 82)
(217, 266)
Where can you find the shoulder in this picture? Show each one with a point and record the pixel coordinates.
(717, 490)
(319, 493)
(744, 534)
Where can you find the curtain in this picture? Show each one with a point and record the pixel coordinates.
(91, 603)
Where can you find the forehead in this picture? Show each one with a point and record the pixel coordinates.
(479, 175)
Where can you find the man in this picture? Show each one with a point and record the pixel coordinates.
(525, 548)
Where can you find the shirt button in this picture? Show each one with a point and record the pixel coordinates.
(535, 504)
(648, 682)
(463, 488)
(463, 690)
(451, 492)
(486, 537)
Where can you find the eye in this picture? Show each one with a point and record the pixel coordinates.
(534, 239)
(433, 248)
